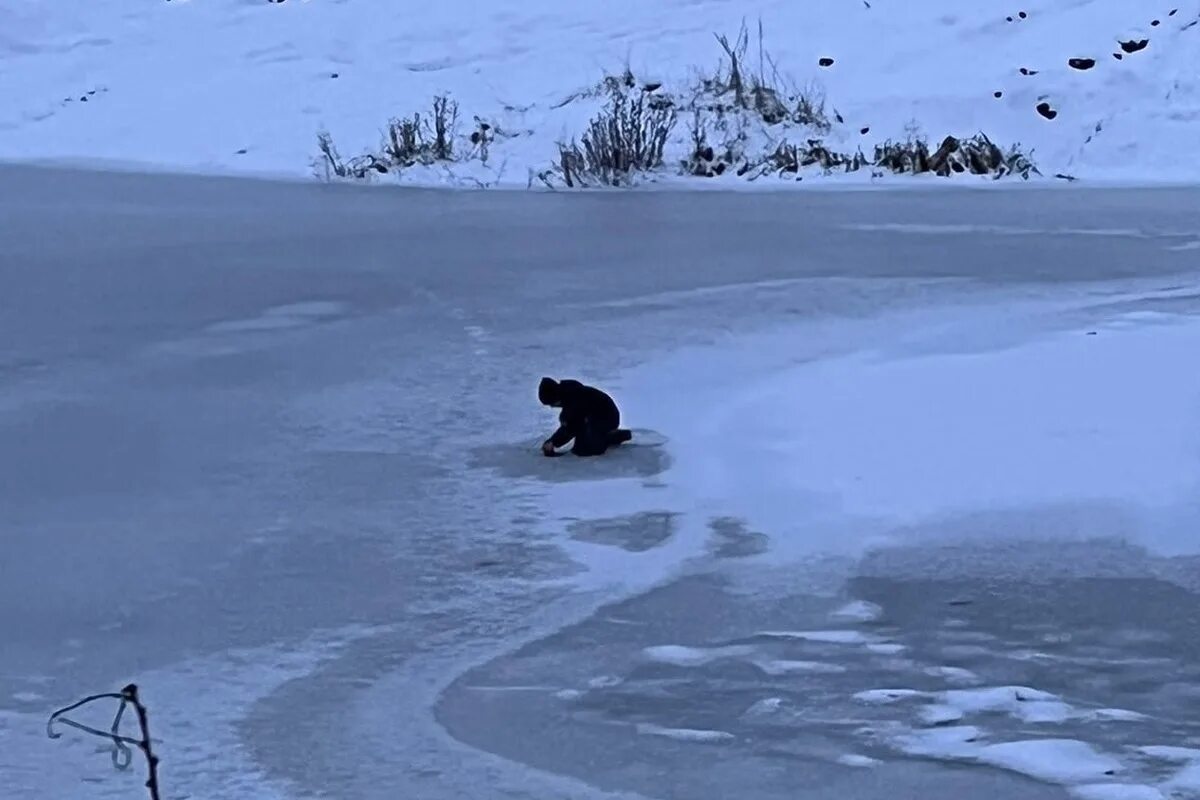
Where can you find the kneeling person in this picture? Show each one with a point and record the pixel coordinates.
(589, 417)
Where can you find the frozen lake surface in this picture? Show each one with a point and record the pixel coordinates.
(910, 513)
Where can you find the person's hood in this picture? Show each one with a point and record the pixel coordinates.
(549, 392)
(554, 393)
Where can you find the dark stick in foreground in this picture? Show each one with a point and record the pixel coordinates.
(121, 754)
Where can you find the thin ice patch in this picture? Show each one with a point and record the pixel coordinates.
(824, 637)
(789, 667)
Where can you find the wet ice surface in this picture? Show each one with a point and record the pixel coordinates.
(640, 459)
(636, 533)
(1015, 674)
(281, 468)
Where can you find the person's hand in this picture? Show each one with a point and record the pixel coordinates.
(548, 448)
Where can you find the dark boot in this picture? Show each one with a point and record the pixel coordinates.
(619, 436)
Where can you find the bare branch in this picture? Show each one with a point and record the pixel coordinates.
(128, 696)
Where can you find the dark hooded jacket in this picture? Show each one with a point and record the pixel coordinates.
(582, 406)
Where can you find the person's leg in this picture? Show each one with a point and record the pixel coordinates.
(614, 434)
(590, 440)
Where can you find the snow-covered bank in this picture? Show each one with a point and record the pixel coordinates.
(234, 85)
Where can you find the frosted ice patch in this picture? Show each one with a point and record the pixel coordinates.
(685, 734)
(956, 634)
(928, 229)
(1175, 755)
(1030, 655)
(1021, 702)
(1137, 319)
(953, 675)
(568, 694)
(27, 697)
(859, 611)
(964, 651)
(604, 682)
(1186, 782)
(681, 656)
(477, 333)
(1062, 761)
(1117, 791)
(994, 698)
(511, 687)
(1107, 425)
(256, 324)
(998, 230)
(1049, 712)
(939, 714)
(787, 667)
(854, 760)
(955, 742)
(313, 309)
(1115, 715)
(293, 315)
(765, 707)
(1066, 761)
(886, 648)
(825, 637)
(886, 696)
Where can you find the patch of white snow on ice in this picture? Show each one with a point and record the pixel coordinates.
(680, 656)
(604, 682)
(940, 714)
(1172, 753)
(1186, 781)
(956, 675)
(883, 696)
(1066, 761)
(1020, 702)
(28, 697)
(859, 611)
(955, 742)
(686, 734)
(765, 707)
(1102, 424)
